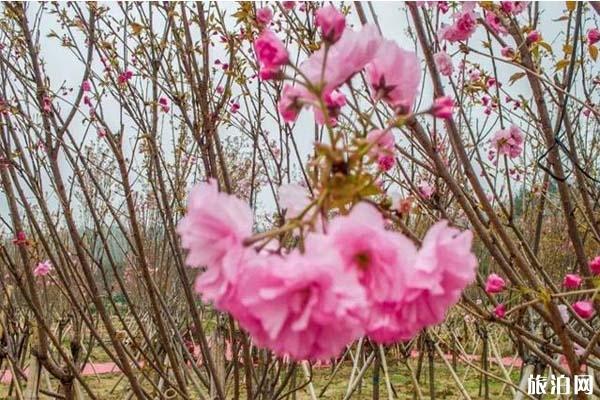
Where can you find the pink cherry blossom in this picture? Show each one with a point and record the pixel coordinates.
(385, 162)
(534, 37)
(164, 104)
(425, 189)
(584, 308)
(332, 23)
(508, 141)
(334, 101)
(43, 268)
(394, 76)
(494, 284)
(234, 107)
(444, 266)
(264, 15)
(593, 36)
(507, 52)
(464, 24)
(443, 107)
(495, 23)
(86, 86)
(305, 306)
(513, 7)
(271, 54)
(215, 224)
(124, 77)
(443, 63)
(500, 311)
(21, 239)
(349, 55)
(572, 281)
(594, 265)
(291, 102)
(288, 5)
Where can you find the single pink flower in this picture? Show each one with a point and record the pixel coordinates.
(264, 15)
(215, 224)
(234, 107)
(464, 24)
(584, 308)
(164, 104)
(288, 5)
(593, 36)
(332, 23)
(304, 305)
(220, 89)
(508, 141)
(394, 76)
(425, 190)
(385, 162)
(271, 54)
(513, 7)
(21, 239)
(101, 133)
(43, 268)
(377, 257)
(594, 265)
(86, 86)
(444, 266)
(334, 101)
(507, 52)
(495, 23)
(494, 284)
(291, 102)
(572, 281)
(124, 77)
(443, 63)
(443, 107)
(500, 311)
(346, 57)
(533, 37)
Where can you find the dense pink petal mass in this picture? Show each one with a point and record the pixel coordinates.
(215, 223)
(394, 76)
(464, 25)
(271, 54)
(304, 306)
(494, 284)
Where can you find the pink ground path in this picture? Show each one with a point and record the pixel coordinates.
(110, 367)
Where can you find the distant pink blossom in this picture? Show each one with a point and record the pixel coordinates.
(594, 265)
(234, 107)
(304, 307)
(593, 36)
(508, 141)
(164, 104)
(124, 77)
(534, 37)
(500, 311)
(46, 104)
(334, 101)
(21, 239)
(332, 23)
(507, 52)
(291, 101)
(572, 281)
(288, 5)
(443, 63)
(425, 189)
(513, 7)
(43, 268)
(464, 24)
(394, 76)
(494, 284)
(271, 54)
(86, 86)
(474, 75)
(443, 107)
(381, 142)
(215, 223)
(584, 308)
(264, 15)
(101, 133)
(495, 23)
(385, 162)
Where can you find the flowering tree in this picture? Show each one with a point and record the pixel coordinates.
(451, 163)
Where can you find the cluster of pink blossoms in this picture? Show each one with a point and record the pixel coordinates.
(508, 141)
(354, 279)
(391, 71)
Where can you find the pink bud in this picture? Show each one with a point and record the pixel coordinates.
(595, 265)
(500, 311)
(494, 284)
(533, 37)
(584, 308)
(593, 36)
(86, 86)
(572, 281)
(332, 23)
